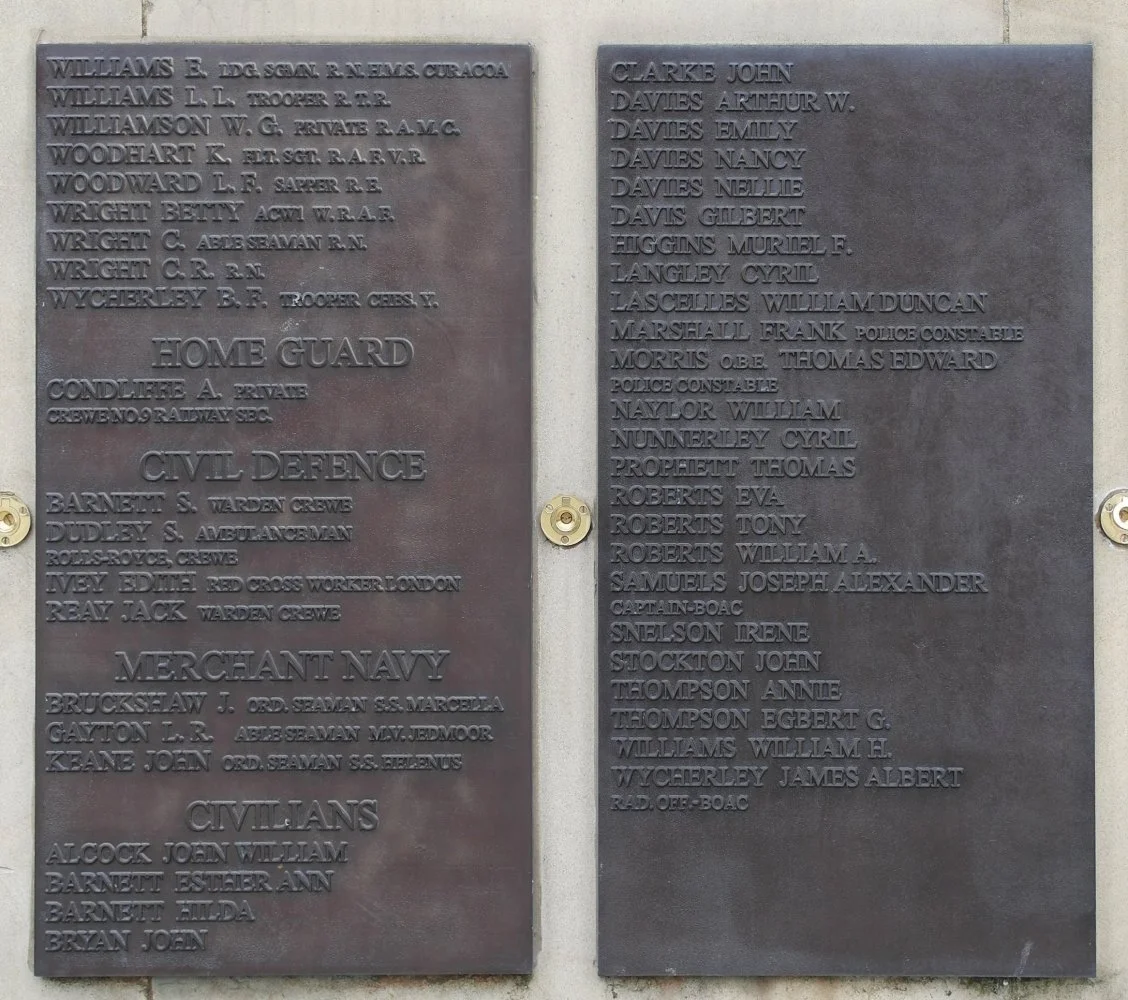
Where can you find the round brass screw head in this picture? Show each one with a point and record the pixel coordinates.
(1114, 517)
(15, 520)
(565, 520)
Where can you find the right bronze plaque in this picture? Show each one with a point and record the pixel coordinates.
(845, 563)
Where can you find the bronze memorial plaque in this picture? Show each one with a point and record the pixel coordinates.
(845, 535)
(283, 512)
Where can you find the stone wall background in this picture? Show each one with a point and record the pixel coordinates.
(564, 36)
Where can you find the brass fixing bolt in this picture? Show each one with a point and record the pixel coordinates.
(565, 520)
(15, 520)
(1114, 517)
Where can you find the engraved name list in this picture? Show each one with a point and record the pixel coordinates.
(283, 588)
(845, 599)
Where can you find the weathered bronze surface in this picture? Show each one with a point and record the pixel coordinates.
(846, 722)
(283, 527)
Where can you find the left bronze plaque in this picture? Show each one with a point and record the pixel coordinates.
(284, 510)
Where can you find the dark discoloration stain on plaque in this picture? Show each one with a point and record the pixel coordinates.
(845, 547)
(283, 515)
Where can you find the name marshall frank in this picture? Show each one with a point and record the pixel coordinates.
(233, 665)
